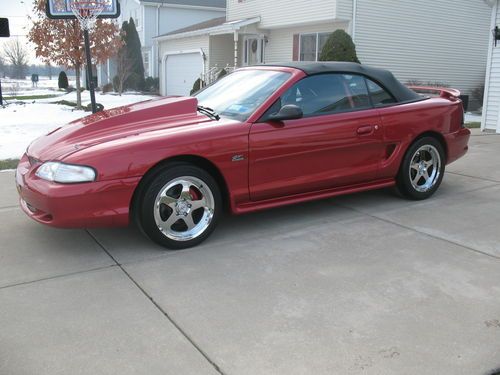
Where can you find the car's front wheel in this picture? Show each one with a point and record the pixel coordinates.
(422, 169)
(180, 207)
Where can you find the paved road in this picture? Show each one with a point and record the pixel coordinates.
(362, 284)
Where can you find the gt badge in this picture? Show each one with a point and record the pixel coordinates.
(238, 158)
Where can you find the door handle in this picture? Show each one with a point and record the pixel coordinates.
(367, 129)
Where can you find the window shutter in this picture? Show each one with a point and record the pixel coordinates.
(295, 54)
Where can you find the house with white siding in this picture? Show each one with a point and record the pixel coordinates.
(156, 17)
(427, 40)
(491, 108)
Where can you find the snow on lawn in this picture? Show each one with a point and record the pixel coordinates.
(472, 117)
(20, 124)
(23, 87)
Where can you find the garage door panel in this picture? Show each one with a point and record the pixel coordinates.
(182, 70)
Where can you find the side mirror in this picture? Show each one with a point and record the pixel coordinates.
(287, 112)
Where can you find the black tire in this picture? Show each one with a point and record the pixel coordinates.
(145, 205)
(404, 181)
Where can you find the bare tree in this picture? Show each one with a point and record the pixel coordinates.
(124, 69)
(16, 55)
(61, 42)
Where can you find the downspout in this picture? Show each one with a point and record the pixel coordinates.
(156, 46)
(108, 71)
(354, 12)
(493, 22)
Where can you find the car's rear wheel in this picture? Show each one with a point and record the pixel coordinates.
(422, 169)
(180, 207)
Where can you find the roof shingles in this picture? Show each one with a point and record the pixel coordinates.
(199, 26)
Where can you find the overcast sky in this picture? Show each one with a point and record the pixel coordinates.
(17, 12)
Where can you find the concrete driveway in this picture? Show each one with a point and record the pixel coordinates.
(362, 284)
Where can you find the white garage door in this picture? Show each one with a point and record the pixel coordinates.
(181, 72)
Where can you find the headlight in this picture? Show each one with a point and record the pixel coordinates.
(65, 173)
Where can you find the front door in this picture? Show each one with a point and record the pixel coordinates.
(338, 142)
(254, 51)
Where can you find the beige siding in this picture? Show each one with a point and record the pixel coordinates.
(179, 46)
(344, 9)
(280, 45)
(492, 99)
(182, 44)
(280, 13)
(221, 50)
(428, 40)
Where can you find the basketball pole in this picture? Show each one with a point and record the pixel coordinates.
(89, 70)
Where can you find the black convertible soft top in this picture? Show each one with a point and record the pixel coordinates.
(383, 77)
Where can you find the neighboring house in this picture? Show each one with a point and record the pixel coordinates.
(424, 40)
(156, 17)
(491, 108)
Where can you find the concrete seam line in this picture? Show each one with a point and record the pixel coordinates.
(56, 276)
(170, 319)
(477, 178)
(424, 233)
(8, 208)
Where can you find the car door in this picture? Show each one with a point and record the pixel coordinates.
(338, 142)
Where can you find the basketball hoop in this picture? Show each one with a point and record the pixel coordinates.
(87, 12)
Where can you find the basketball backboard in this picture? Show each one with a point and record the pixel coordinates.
(61, 9)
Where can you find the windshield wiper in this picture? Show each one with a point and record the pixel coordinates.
(209, 112)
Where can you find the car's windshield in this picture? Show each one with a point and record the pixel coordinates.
(239, 94)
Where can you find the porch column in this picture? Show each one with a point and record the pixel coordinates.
(235, 49)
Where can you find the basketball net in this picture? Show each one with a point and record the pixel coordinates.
(87, 12)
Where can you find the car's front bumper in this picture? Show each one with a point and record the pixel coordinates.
(93, 204)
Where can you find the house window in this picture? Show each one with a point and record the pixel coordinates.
(311, 46)
(145, 60)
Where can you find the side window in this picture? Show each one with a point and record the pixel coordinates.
(328, 93)
(380, 97)
(356, 91)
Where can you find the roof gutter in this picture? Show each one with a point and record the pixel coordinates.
(354, 13)
(181, 6)
(225, 28)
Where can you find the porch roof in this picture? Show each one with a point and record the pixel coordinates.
(214, 26)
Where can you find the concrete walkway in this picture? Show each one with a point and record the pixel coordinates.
(361, 284)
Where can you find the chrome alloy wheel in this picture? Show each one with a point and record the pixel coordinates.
(184, 208)
(425, 168)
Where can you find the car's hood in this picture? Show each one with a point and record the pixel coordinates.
(116, 123)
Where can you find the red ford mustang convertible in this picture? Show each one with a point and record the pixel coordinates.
(259, 138)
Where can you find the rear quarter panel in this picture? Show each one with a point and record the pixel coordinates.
(406, 122)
